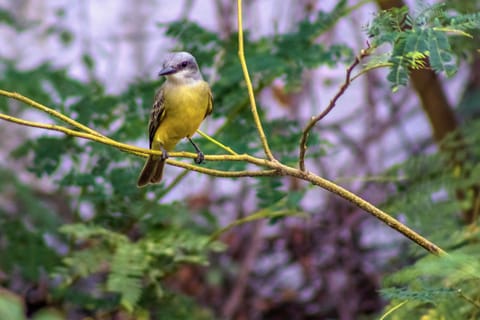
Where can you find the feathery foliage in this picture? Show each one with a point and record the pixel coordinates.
(420, 40)
(426, 195)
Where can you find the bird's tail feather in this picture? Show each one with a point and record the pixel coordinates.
(152, 171)
(158, 171)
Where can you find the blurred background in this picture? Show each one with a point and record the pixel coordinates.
(79, 241)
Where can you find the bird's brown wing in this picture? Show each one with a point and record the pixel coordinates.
(157, 115)
(210, 103)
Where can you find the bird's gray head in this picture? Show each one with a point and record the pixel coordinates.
(180, 67)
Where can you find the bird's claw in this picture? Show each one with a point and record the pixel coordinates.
(200, 158)
(164, 155)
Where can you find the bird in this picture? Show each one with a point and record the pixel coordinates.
(180, 105)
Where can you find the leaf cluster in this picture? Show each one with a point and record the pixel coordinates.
(28, 234)
(421, 40)
(132, 265)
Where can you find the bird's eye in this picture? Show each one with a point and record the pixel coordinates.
(184, 64)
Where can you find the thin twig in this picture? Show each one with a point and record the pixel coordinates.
(56, 114)
(370, 68)
(251, 95)
(216, 142)
(222, 173)
(254, 248)
(398, 306)
(468, 299)
(266, 213)
(313, 121)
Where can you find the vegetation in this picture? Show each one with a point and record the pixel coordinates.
(82, 241)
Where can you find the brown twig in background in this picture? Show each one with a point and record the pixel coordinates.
(313, 121)
(235, 298)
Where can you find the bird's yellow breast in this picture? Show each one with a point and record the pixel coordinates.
(186, 106)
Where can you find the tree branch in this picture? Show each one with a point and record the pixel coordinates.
(54, 113)
(313, 121)
(217, 143)
(248, 82)
(145, 152)
(363, 204)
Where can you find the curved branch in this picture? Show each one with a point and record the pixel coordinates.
(145, 152)
(313, 121)
(222, 173)
(365, 205)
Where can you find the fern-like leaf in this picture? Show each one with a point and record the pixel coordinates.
(126, 273)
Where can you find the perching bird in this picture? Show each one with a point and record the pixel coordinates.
(180, 106)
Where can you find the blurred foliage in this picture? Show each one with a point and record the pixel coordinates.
(426, 196)
(103, 247)
(12, 308)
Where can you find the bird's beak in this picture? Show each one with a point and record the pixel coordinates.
(166, 71)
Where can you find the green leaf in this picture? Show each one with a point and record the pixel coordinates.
(441, 57)
(424, 295)
(398, 74)
(127, 269)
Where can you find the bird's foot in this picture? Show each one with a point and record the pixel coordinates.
(200, 158)
(164, 155)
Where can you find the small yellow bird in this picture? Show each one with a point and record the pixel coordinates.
(180, 106)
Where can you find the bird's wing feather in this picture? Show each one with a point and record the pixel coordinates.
(157, 115)
(210, 103)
